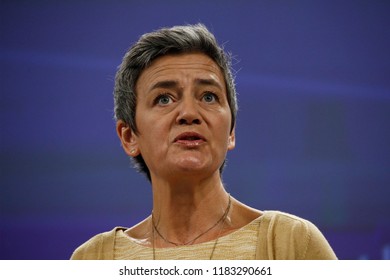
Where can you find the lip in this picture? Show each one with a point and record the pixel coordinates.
(190, 139)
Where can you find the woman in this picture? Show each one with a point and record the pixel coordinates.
(175, 106)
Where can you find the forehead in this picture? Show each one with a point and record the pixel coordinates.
(178, 66)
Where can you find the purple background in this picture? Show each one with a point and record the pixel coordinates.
(313, 135)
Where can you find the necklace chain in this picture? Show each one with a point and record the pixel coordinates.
(222, 219)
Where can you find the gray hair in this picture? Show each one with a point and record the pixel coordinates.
(174, 40)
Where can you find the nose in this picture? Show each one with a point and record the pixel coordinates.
(188, 112)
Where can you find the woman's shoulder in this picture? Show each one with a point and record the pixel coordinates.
(287, 225)
(282, 218)
(99, 247)
(286, 236)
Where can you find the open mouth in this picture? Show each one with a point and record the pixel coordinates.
(190, 139)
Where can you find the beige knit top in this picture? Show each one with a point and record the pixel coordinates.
(241, 244)
(272, 236)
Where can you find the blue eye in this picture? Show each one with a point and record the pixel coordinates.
(209, 97)
(163, 99)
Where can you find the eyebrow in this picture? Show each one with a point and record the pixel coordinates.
(174, 84)
(208, 82)
(165, 84)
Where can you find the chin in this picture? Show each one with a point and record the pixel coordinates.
(192, 165)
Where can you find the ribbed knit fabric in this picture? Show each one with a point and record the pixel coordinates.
(273, 236)
(240, 244)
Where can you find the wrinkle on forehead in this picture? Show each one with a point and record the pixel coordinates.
(167, 66)
(185, 65)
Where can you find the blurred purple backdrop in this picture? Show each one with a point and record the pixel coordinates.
(313, 135)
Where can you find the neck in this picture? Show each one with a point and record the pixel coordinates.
(182, 212)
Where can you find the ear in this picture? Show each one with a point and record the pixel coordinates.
(232, 140)
(128, 138)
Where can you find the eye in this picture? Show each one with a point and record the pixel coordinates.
(163, 99)
(210, 97)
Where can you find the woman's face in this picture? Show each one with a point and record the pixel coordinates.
(183, 116)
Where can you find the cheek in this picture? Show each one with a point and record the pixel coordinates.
(223, 135)
(154, 134)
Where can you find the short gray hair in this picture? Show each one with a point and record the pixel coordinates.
(174, 40)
